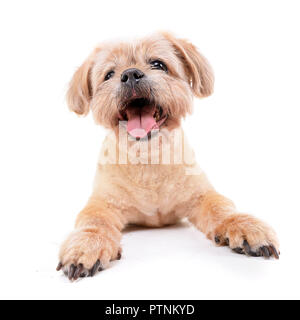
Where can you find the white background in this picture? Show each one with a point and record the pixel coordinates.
(246, 137)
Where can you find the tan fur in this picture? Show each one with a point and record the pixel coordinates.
(80, 92)
(148, 194)
(197, 67)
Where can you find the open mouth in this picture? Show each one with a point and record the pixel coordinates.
(142, 117)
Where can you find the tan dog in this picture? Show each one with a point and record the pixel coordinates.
(148, 85)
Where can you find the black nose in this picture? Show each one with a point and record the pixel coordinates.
(132, 76)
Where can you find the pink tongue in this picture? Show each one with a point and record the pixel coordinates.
(141, 121)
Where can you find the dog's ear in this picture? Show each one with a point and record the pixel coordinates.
(199, 71)
(80, 92)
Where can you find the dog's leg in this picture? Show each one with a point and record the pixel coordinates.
(217, 217)
(94, 242)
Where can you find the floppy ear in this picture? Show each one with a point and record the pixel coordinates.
(80, 92)
(198, 69)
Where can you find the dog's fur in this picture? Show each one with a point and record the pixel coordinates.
(151, 195)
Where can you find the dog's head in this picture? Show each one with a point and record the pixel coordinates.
(149, 83)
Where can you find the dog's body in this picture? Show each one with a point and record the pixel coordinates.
(151, 195)
(147, 179)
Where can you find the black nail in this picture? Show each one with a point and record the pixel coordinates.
(274, 251)
(58, 268)
(95, 268)
(78, 271)
(248, 250)
(71, 271)
(247, 247)
(217, 240)
(265, 252)
(238, 250)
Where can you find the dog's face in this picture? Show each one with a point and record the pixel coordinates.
(149, 83)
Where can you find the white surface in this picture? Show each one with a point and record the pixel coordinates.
(246, 138)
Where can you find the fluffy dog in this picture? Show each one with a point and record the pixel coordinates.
(140, 91)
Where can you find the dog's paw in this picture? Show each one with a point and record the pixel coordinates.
(87, 251)
(245, 234)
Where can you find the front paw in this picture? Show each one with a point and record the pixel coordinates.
(87, 251)
(245, 234)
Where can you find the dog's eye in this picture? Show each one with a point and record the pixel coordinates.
(109, 75)
(158, 65)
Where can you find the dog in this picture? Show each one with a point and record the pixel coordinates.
(140, 91)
